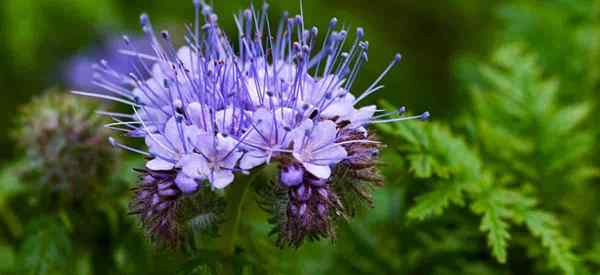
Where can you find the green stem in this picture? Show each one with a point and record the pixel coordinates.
(12, 221)
(235, 195)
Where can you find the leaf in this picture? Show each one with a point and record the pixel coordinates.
(434, 202)
(203, 262)
(497, 229)
(421, 165)
(46, 249)
(545, 226)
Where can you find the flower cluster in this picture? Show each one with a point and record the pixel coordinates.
(211, 110)
(65, 150)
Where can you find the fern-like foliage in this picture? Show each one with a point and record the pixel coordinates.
(530, 152)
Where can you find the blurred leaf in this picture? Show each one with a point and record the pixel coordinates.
(47, 248)
(545, 226)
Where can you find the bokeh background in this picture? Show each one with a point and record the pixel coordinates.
(512, 87)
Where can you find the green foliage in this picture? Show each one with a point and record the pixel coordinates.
(47, 248)
(533, 149)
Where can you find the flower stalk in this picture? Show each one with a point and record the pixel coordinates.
(235, 196)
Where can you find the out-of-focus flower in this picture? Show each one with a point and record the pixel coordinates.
(79, 72)
(209, 111)
(65, 147)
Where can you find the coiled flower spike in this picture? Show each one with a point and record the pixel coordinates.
(211, 110)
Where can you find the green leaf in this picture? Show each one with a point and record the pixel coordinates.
(47, 248)
(545, 226)
(433, 203)
(421, 165)
(497, 232)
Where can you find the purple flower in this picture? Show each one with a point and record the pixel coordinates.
(214, 158)
(79, 71)
(316, 149)
(268, 135)
(209, 110)
(291, 175)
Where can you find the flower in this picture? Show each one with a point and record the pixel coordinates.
(215, 159)
(65, 150)
(209, 110)
(79, 70)
(315, 147)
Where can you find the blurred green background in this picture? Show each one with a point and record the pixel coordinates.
(504, 180)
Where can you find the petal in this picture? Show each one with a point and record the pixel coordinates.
(323, 134)
(186, 184)
(341, 107)
(225, 118)
(252, 159)
(173, 133)
(297, 134)
(152, 117)
(253, 91)
(285, 116)
(141, 97)
(159, 164)
(329, 155)
(194, 166)
(231, 160)
(205, 143)
(186, 56)
(263, 121)
(158, 145)
(198, 114)
(225, 144)
(361, 116)
(319, 171)
(221, 178)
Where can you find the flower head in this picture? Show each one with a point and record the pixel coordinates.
(66, 151)
(211, 110)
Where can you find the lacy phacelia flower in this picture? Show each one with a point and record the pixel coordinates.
(211, 110)
(65, 150)
(78, 71)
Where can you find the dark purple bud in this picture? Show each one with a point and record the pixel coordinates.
(303, 193)
(163, 206)
(322, 210)
(167, 193)
(302, 210)
(317, 182)
(144, 194)
(148, 179)
(155, 200)
(291, 175)
(165, 185)
(293, 210)
(323, 193)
